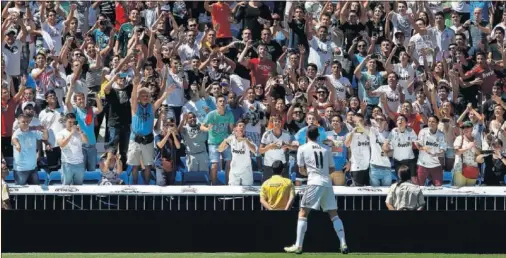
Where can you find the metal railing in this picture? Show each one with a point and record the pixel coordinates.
(226, 198)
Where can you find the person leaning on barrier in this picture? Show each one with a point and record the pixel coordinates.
(404, 195)
(277, 193)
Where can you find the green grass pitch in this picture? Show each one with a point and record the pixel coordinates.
(242, 255)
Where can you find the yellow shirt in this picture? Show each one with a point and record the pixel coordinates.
(277, 191)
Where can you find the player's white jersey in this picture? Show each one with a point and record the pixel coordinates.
(317, 159)
(241, 171)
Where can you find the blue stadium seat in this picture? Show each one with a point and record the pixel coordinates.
(258, 177)
(128, 179)
(10, 178)
(92, 177)
(42, 177)
(179, 178)
(124, 176)
(195, 178)
(447, 177)
(55, 178)
(221, 177)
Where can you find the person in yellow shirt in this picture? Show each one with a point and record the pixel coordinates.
(277, 193)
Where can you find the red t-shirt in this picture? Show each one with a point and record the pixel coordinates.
(121, 16)
(8, 117)
(260, 70)
(220, 13)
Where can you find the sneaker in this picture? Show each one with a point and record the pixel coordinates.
(344, 249)
(293, 249)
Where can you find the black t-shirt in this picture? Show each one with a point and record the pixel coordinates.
(193, 77)
(250, 15)
(494, 171)
(293, 127)
(274, 50)
(119, 106)
(298, 34)
(278, 91)
(78, 37)
(240, 70)
(351, 32)
(108, 9)
(468, 92)
(376, 29)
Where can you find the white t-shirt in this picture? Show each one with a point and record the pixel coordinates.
(340, 84)
(444, 38)
(56, 34)
(52, 119)
(393, 97)
(402, 143)
(420, 42)
(436, 142)
(275, 154)
(12, 57)
(406, 74)
(377, 138)
(72, 153)
(241, 157)
(401, 23)
(79, 86)
(360, 152)
(187, 52)
(320, 52)
(175, 98)
(317, 159)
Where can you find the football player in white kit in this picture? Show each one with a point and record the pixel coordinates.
(241, 170)
(315, 161)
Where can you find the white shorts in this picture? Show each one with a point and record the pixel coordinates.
(243, 178)
(137, 151)
(316, 196)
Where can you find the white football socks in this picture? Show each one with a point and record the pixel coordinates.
(301, 231)
(339, 228)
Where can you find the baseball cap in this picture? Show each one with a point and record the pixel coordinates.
(26, 104)
(123, 75)
(466, 124)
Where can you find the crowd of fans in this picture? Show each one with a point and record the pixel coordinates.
(233, 85)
